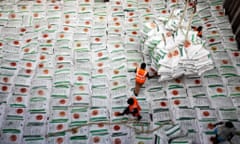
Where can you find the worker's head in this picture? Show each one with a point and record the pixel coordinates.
(143, 65)
(130, 101)
(229, 124)
(199, 28)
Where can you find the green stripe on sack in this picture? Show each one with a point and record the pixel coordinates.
(215, 85)
(79, 138)
(173, 130)
(180, 142)
(18, 105)
(59, 120)
(59, 96)
(78, 123)
(120, 119)
(144, 138)
(218, 95)
(199, 95)
(181, 50)
(14, 117)
(59, 108)
(55, 134)
(155, 89)
(228, 109)
(79, 110)
(235, 95)
(98, 119)
(15, 131)
(33, 138)
(229, 74)
(119, 76)
(119, 87)
(98, 131)
(37, 99)
(175, 87)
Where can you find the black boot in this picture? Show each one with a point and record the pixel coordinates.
(139, 118)
(135, 93)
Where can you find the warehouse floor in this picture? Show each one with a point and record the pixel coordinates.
(68, 66)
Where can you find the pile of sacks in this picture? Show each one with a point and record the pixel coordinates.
(174, 48)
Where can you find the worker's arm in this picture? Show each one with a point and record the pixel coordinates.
(149, 77)
(126, 111)
(219, 123)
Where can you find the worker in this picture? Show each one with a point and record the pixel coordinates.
(141, 75)
(198, 30)
(194, 6)
(133, 108)
(224, 132)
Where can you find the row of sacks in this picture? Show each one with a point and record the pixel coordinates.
(193, 104)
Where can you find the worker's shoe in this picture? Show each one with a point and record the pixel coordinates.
(139, 118)
(135, 93)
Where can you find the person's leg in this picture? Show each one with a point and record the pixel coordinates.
(139, 117)
(214, 140)
(137, 88)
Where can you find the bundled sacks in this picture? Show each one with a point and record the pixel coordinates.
(175, 51)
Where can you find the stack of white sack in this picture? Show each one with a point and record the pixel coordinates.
(172, 53)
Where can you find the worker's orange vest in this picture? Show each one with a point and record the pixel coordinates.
(135, 105)
(141, 76)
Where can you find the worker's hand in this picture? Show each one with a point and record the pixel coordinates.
(118, 114)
